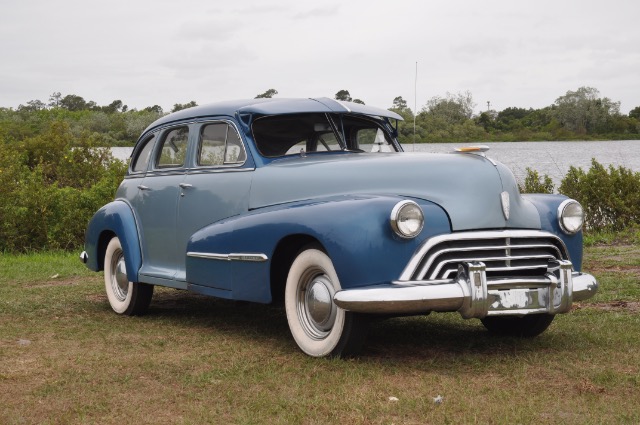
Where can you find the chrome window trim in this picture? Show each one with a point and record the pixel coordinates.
(249, 257)
(216, 169)
(416, 259)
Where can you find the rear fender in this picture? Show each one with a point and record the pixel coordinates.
(115, 218)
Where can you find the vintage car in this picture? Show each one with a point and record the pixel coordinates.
(313, 203)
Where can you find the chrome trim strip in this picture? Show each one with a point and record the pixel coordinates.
(483, 259)
(499, 269)
(219, 169)
(414, 263)
(251, 257)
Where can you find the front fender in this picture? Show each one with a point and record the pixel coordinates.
(115, 218)
(354, 230)
(547, 206)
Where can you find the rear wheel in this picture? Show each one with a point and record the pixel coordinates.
(524, 326)
(128, 298)
(319, 327)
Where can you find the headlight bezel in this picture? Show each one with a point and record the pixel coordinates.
(564, 208)
(399, 226)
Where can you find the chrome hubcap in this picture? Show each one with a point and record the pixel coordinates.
(315, 304)
(119, 281)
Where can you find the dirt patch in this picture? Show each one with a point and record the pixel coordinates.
(57, 282)
(628, 306)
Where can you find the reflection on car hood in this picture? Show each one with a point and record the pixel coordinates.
(467, 186)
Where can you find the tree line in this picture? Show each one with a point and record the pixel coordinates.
(582, 114)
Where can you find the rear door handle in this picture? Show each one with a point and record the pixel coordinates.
(185, 185)
(143, 187)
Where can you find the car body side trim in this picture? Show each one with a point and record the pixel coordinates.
(253, 257)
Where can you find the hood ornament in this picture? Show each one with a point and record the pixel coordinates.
(504, 198)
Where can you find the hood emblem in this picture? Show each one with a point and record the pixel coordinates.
(504, 198)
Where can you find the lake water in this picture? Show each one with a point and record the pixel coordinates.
(552, 158)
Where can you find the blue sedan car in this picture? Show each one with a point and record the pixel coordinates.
(313, 202)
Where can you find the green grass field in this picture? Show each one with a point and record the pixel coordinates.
(65, 357)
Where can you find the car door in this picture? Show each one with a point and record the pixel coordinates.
(156, 206)
(216, 187)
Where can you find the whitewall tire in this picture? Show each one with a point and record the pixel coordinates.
(125, 297)
(319, 327)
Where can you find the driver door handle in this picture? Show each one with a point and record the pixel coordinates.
(185, 185)
(143, 187)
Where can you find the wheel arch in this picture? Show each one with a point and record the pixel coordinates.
(114, 219)
(284, 254)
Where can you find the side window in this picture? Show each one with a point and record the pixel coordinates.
(141, 161)
(220, 145)
(173, 150)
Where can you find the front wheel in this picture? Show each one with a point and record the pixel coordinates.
(319, 327)
(128, 298)
(525, 326)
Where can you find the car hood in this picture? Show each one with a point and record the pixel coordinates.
(467, 186)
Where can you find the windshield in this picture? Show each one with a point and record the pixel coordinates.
(281, 135)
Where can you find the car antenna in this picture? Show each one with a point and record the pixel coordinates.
(415, 103)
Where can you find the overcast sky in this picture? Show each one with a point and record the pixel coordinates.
(511, 53)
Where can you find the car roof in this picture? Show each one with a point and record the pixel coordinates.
(273, 106)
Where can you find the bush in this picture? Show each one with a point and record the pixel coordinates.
(610, 196)
(534, 183)
(50, 186)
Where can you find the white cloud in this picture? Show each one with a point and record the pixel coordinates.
(162, 52)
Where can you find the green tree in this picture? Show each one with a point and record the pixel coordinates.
(179, 106)
(635, 113)
(54, 99)
(452, 109)
(115, 106)
(74, 102)
(32, 105)
(399, 103)
(268, 94)
(584, 112)
(343, 95)
(155, 108)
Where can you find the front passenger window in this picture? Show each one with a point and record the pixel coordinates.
(220, 144)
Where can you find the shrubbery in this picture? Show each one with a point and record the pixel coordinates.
(610, 196)
(50, 186)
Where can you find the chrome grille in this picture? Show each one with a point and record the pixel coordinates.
(505, 253)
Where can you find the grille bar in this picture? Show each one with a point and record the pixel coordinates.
(520, 252)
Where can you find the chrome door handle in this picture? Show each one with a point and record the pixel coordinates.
(185, 185)
(143, 187)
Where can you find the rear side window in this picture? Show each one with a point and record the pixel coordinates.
(220, 145)
(173, 150)
(141, 160)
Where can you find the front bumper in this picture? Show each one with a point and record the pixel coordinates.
(473, 295)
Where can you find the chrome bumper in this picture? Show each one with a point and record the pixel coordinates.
(473, 295)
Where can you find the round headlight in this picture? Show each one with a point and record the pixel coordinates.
(407, 219)
(570, 216)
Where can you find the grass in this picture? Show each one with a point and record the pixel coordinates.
(65, 357)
